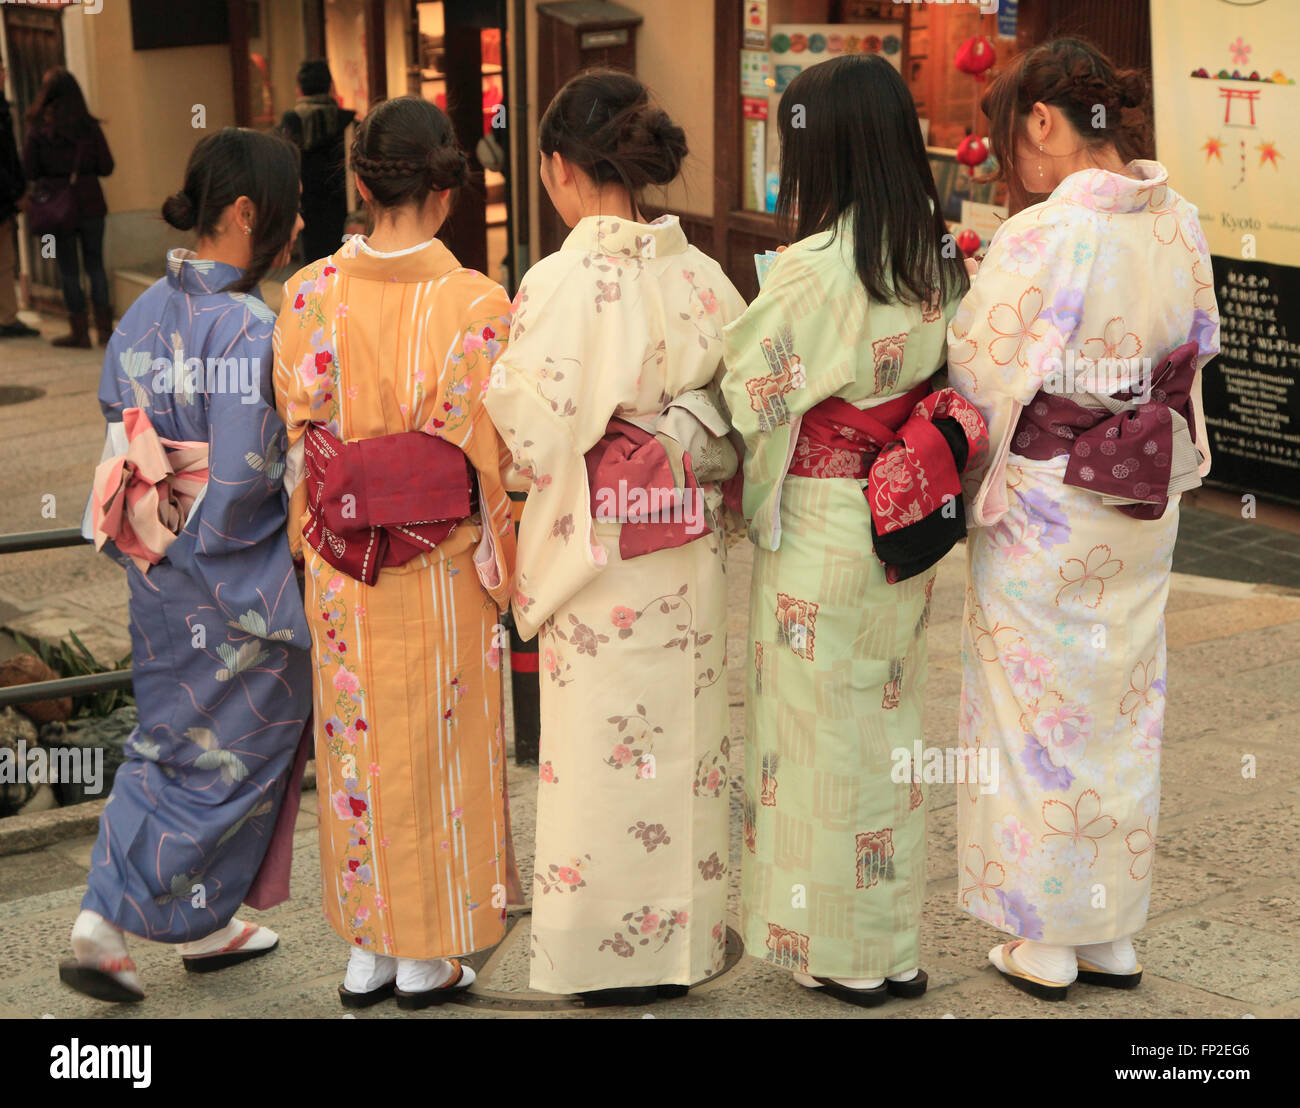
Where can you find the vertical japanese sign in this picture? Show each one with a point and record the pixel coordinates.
(1227, 122)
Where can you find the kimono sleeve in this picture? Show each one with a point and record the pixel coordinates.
(462, 418)
(293, 405)
(783, 356)
(532, 402)
(233, 542)
(1012, 329)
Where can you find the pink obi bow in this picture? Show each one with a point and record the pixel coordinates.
(142, 497)
(632, 481)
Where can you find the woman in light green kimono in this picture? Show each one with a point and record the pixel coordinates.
(834, 858)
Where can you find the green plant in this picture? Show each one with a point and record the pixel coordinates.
(71, 658)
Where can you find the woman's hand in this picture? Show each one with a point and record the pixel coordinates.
(972, 266)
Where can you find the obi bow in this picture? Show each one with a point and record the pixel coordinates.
(143, 495)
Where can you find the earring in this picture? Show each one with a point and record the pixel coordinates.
(249, 230)
(1040, 160)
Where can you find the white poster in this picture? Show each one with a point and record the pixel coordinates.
(1227, 119)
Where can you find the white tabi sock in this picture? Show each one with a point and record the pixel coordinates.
(94, 938)
(1046, 962)
(1113, 957)
(420, 975)
(260, 939)
(368, 971)
(848, 982)
(901, 977)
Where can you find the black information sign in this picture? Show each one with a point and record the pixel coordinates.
(1251, 391)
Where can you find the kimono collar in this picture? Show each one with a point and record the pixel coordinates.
(190, 273)
(426, 262)
(1104, 191)
(616, 237)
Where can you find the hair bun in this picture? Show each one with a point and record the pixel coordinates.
(178, 210)
(448, 168)
(1132, 88)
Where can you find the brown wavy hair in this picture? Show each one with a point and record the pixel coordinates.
(1074, 76)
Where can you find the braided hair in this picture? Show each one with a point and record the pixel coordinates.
(405, 149)
(1105, 104)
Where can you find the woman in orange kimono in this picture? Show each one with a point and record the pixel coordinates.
(383, 354)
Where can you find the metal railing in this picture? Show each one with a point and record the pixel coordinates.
(84, 685)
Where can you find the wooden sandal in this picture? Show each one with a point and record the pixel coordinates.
(229, 955)
(1026, 982)
(429, 998)
(1095, 975)
(98, 981)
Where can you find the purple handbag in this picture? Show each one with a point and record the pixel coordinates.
(52, 205)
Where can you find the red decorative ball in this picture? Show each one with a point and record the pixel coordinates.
(972, 150)
(974, 56)
(968, 242)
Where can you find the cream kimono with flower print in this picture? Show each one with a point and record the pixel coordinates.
(1064, 676)
(630, 885)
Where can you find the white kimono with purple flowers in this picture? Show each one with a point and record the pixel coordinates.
(1063, 647)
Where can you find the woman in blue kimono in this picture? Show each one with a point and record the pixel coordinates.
(189, 499)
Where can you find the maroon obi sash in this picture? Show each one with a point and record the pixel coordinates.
(912, 450)
(380, 502)
(631, 478)
(1127, 454)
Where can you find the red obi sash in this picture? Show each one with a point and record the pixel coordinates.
(632, 482)
(912, 451)
(380, 502)
(1127, 454)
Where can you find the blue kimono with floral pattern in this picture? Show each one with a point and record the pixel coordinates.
(219, 638)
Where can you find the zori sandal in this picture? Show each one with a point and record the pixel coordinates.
(100, 980)
(248, 944)
(909, 990)
(1002, 961)
(461, 979)
(1095, 975)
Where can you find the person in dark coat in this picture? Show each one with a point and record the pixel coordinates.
(317, 125)
(13, 184)
(64, 140)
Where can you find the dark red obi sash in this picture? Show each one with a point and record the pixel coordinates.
(1127, 454)
(631, 479)
(380, 502)
(912, 450)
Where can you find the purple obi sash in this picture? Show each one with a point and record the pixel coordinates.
(1126, 455)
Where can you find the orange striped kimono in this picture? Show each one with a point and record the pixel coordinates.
(406, 673)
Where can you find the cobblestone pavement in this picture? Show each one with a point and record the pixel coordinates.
(1222, 936)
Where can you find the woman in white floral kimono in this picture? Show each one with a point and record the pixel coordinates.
(602, 397)
(1103, 285)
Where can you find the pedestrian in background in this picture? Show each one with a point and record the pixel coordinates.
(189, 499)
(13, 184)
(318, 125)
(65, 149)
(851, 490)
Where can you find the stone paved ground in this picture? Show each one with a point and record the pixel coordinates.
(1225, 914)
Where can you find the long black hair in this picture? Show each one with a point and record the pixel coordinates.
(232, 163)
(851, 143)
(60, 105)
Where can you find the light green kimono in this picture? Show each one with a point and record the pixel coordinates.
(834, 864)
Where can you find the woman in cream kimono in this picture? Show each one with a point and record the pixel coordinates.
(623, 322)
(1104, 283)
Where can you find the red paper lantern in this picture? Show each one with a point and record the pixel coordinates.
(972, 151)
(974, 56)
(968, 242)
